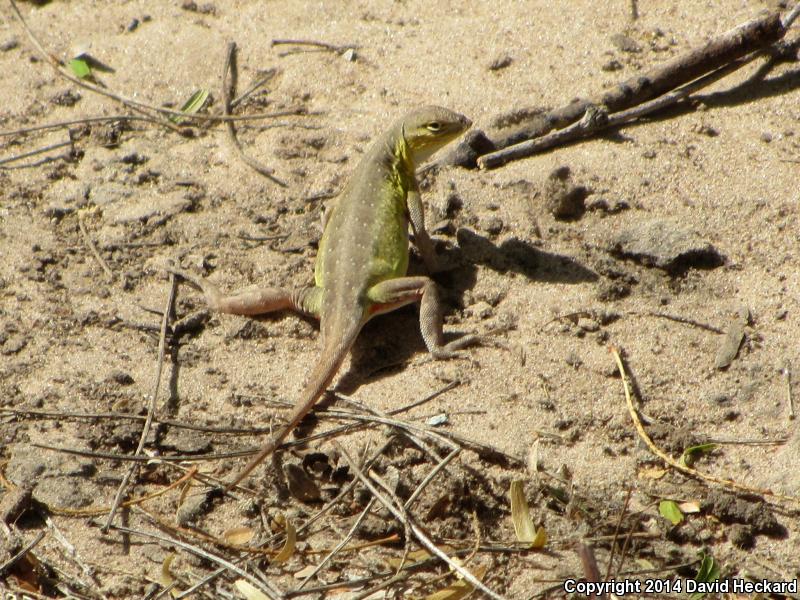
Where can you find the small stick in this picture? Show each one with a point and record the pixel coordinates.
(290, 112)
(227, 90)
(129, 102)
(17, 157)
(151, 409)
(616, 535)
(752, 36)
(401, 515)
(424, 483)
(131, 417)
(323, 45)
(596, 119)
(338, 546)
(83, 121)
(93, 249)
(727, 483)
(261, 81)
(197, 551)
(19, 555)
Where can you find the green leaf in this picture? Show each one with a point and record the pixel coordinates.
(80, 67)
(708, 572)
(670, 511)
(693, 453)
(192, 105)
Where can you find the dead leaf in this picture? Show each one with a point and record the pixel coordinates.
(460, 589)
(520, 514)
(291, 540)
(238, 536)
(249, 591)
(652, 473)
(165, 578)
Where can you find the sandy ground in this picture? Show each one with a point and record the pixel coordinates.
(718, 181)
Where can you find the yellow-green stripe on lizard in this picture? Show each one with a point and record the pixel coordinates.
(362, 260)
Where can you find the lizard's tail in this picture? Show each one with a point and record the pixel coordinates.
(331, 358)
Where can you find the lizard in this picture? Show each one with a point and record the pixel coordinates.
(362, 260)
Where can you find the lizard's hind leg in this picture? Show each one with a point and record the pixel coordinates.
(394, 293)
(255, 301)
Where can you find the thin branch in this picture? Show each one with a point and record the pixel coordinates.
(151, 409)
(596, 119)
(324, 45)
(17, 157)
(752, 36)
(227, 90)
(93, 249)
(129, 102)
(266, 78)
(342, 543)
(791, 16)
(19, 555)
(402, 515)
(197, 551)
(727, 483)
(290, 112)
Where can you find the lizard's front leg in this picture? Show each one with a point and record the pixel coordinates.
(394, 293)
(255, 302)
(416, 214)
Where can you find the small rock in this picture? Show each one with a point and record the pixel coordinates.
(133, 158)
(203, 9)
(186, 441)
(766, 137)
(66, 98)
(300, 485)
(587, 324)
(501, 62)
(665, 245)
(13, 344)
(734, 336)
(563, 199)
(132, 26)
(194, 506)
(492, 225)
(481, 310)
(120, 377)
(9, 44)
(649, 154)
(349, 55)
(706, 130)
(573, 360)
(720, 399)
(612, 65)
(625, 43)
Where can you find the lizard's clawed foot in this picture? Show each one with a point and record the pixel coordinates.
(451, 350)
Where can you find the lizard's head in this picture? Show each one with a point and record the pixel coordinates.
(429, 128)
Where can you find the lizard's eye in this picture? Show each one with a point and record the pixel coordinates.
(434, 126)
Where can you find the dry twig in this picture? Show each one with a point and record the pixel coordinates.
(228, 88)
(408, 521)
(93, 249)
(721, 52)
(151, 409)
(727, 483)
